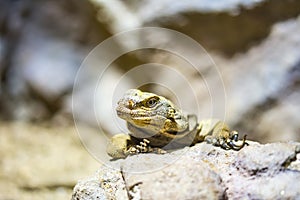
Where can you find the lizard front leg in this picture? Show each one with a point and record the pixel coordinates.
(219, 134)
(123, 145)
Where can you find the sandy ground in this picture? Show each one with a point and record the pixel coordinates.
(41, 161)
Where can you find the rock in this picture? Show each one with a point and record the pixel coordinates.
(192, 6)
(46, 43)
(105, 184)
(263, 90)
(227, 26)
(202, 172)
(88, 190)
(180, 176)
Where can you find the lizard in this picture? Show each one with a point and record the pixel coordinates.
(156, 124)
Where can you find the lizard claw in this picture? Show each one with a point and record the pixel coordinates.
(232, 142)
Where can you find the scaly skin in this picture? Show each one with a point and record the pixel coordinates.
(155, 122)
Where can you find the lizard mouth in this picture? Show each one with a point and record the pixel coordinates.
(132, 115)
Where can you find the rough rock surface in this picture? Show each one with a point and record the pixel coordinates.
(262, 86)
(200, 172)
(228, 26)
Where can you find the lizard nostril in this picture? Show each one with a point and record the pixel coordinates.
(130, 104)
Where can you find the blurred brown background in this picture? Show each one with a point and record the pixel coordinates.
(255, 44)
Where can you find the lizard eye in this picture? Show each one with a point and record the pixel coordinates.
(151, 102)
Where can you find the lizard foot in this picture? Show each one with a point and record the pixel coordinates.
(233, 142)
(144, 147)
(123, 145)
(230, 142)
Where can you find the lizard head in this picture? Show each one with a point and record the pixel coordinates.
(151, 112)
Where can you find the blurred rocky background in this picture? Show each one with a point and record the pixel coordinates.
(255, 44)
